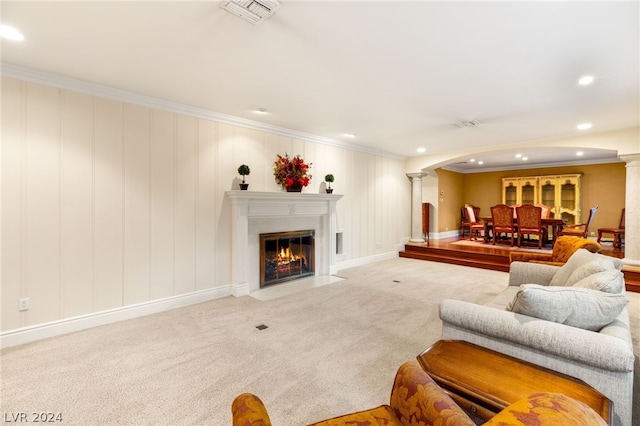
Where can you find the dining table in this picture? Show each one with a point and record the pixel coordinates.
(555, 225)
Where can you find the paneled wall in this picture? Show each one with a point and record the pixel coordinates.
(107, 204)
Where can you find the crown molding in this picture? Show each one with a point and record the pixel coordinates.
(67, 83)
(452, 167)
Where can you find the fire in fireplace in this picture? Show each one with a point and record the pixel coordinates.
(286, 256)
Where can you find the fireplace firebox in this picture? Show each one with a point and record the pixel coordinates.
(286, 256)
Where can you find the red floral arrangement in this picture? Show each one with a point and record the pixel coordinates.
(291, 173)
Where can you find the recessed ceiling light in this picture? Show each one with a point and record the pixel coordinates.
(579, 153)
(583, 126)
(586, 80)
(10, 33)
(525, 158)
(518, 155)
(473, 160)
(481, 162)
(421, 150)
(349, 135)
(261, 111)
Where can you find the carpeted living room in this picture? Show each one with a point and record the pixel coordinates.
(203, 203)
(327, 351)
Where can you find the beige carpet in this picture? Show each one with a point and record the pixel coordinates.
(327, 351)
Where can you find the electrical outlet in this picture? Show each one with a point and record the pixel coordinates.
(593, 234)
(23, 304)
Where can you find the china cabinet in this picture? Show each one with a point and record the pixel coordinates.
(562, 193)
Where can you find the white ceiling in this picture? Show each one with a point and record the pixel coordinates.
(397, 74)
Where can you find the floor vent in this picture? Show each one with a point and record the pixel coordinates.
(261, 327)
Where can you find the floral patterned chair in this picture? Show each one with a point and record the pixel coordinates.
(530, 223)
(563, 248)
(417, 400)
(503, 217)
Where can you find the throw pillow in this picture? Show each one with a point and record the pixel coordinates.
(598, 264)
(610, 281)
(577, 259)
(574, 306)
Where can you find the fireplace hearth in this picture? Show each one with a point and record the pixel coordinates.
(286, 256)
(253, 213)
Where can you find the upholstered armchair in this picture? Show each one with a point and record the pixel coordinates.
(502, 220)
(563, 248)
(475, 225)
(417, 400)
(530, 223)
(465, 222)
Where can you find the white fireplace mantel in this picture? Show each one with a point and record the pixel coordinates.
(261, 212)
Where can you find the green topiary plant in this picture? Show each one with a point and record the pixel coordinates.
(329, 178)
(243, 171)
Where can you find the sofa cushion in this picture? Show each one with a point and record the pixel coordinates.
(583, 263)
(610, 281)
(599, 264)
(575, 306)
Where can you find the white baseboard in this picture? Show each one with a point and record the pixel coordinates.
(446, 234)
(56, 328)
(365, 260)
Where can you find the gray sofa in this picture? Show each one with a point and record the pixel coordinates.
(572, 319)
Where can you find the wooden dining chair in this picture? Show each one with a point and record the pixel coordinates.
(476, 226)
(529, 218)
(503, 221)
(546, 211)
(618, 233)
(464, 219)
(580, 229)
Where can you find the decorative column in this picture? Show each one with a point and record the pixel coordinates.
(632, 212)
(416, 207)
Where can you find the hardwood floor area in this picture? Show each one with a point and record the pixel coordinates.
(488, 256)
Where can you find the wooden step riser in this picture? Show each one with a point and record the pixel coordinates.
(494, 262)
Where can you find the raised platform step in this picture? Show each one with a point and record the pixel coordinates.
(493, 261)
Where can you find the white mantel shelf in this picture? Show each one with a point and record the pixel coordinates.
(266, 210)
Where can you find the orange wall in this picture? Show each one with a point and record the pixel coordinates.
(602, 185)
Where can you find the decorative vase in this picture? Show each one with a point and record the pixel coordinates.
(244, 186)
(296, 187)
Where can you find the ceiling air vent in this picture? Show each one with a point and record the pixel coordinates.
(254, 11)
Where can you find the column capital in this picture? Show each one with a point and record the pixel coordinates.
(417, 176)
(628, 158)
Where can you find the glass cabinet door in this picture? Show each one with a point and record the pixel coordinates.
(569, 201)
(528, 190)
(510, 191)
(548, 194)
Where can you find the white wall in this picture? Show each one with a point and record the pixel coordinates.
(107, 204)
